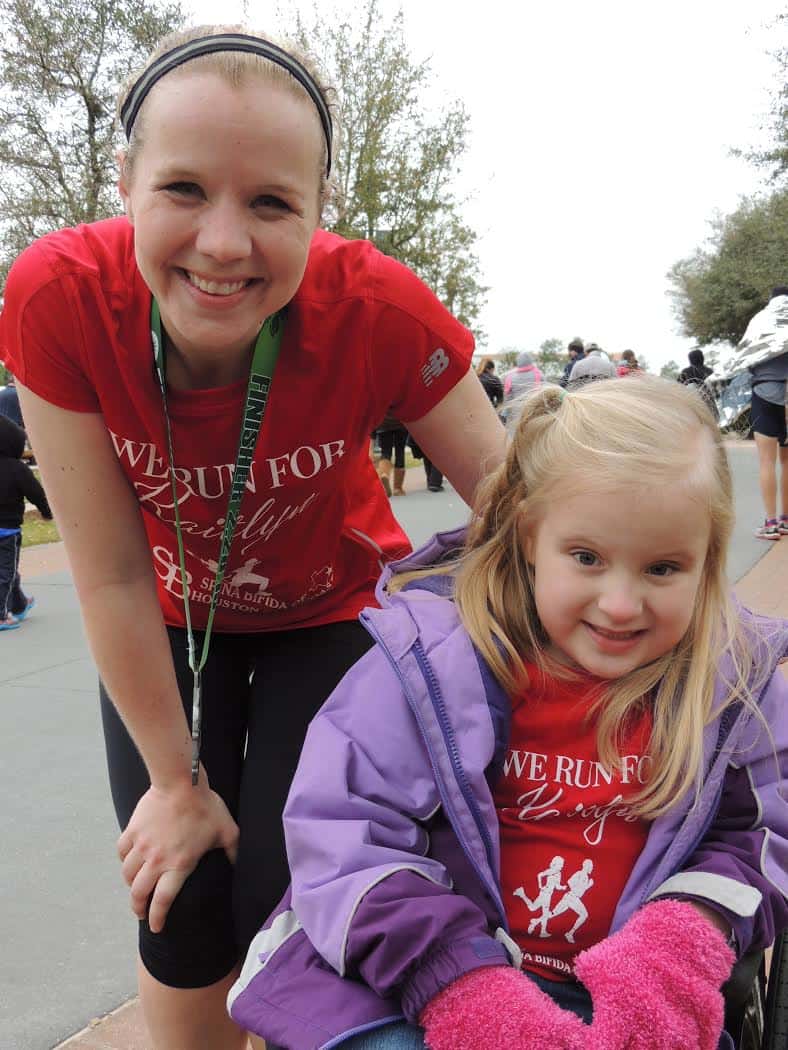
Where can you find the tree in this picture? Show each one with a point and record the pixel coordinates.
(551, 359)
(670, 370)
(718, 289)
(508, 358)
(395, 165)
(775, 156)
(60, 68)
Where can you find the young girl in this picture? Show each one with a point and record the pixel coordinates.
(574, 696)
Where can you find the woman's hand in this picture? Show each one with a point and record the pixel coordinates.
(169, 831)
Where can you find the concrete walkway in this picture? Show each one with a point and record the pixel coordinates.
(63, 903)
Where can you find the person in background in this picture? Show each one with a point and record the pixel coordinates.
(9, 403)
(629, 364)
(433, 476)
(548, 808)
(767, 413)
(493, 387)
(576, 352)
(392, 439)
(695, 376)
(517, 383)
(144, 346)
(592, 366)
(17, 484)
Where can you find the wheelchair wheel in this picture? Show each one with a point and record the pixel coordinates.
(775, 1034)
(750, 1033)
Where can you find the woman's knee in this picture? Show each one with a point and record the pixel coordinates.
(197, 946)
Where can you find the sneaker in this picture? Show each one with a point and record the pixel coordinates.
(783, 526)
(10, 623)
(770, 530)
(31, 603)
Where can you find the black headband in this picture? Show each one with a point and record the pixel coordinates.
(206, 45)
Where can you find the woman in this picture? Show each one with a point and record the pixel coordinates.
(629, 364)
(223, 182)
(493, 386)
(393, 438)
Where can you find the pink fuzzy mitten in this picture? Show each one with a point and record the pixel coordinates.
(498, 1008)
(656, 982)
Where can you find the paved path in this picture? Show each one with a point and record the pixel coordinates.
(63, 905)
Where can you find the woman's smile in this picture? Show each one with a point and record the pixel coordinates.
(224, 199)
(216, 285)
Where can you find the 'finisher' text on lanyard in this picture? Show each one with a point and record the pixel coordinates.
(266, 351)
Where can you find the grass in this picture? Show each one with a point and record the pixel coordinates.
(36, 530)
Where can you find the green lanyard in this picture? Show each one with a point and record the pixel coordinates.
(266, 352)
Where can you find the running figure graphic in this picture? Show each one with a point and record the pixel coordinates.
(548, 882)
(579, 883)
(246, 575)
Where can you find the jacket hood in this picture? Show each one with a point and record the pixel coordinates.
(12, 439)
(442, 547)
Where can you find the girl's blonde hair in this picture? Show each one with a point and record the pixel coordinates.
(638, 431)
(483, 365)
(235, 67)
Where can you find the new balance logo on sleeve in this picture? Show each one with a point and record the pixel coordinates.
(436, 365)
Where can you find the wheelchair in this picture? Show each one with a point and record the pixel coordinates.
(756, 1004)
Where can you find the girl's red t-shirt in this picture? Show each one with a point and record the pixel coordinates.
(569, 838)
(365, 338)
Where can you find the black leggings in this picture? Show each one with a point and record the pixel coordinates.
(393, 441)
(220, 907)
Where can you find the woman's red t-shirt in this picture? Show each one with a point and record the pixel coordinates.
(364, 338)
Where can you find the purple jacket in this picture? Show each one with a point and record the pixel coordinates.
(393, 840)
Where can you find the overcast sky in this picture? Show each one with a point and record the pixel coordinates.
(599, 149)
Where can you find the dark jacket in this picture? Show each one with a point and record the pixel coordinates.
(564, 380)
(493, 387)
(389, 425)
(17, 480)
(696, 375)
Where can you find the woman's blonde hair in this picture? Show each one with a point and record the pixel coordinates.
(234, 67)
(484, 364)
(641, 431)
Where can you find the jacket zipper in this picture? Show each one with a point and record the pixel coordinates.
(451, 746)
(448, 735)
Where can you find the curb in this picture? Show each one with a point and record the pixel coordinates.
(121, 1029)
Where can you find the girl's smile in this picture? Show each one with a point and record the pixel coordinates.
(613, 641)
(616, 574)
